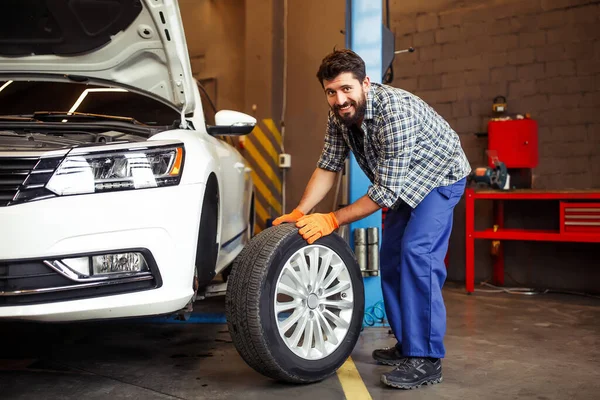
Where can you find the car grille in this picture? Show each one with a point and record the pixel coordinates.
(33, 282)
(25, 178)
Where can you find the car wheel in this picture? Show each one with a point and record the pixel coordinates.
(295, 310)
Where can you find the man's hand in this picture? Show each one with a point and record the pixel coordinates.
(314, 226)
(291, 217)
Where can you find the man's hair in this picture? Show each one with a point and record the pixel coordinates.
(340, 61)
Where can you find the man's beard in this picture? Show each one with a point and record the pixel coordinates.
(359, 112)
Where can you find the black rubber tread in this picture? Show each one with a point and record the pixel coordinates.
(252, 341)
(242, 322)
(243, 305)
(236, 295)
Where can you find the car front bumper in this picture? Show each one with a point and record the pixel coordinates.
(162, 222)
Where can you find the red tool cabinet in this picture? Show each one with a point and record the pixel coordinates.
(515, 141)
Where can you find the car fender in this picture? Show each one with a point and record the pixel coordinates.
(201, 156)
(200, 162)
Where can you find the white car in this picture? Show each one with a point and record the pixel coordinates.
(107, 216)
(119, 199)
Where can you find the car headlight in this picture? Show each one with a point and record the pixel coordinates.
(122, 170)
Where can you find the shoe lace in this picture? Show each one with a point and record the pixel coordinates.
(405, 365)
(408, 364)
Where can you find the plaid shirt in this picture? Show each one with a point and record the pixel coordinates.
(406, 151)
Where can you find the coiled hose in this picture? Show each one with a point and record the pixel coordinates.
(374, 314)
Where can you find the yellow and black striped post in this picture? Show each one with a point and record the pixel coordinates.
(262, 148)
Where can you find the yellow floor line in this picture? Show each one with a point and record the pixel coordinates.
(352, 384)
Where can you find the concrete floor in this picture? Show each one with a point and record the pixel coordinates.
(499, 346)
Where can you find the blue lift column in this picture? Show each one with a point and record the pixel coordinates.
(364, 35)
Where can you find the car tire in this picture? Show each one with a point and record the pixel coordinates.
(326, 306)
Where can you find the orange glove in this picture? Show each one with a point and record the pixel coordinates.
(291, 217)
(314, 226)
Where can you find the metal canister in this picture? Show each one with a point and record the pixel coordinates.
(360, 248)
(373, 250)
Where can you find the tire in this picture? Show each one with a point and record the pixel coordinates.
(272, 343)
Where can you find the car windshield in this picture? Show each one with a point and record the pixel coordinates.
(25, 98)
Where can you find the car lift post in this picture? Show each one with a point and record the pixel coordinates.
(361, 37)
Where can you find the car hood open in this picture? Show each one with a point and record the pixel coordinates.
(138, 45)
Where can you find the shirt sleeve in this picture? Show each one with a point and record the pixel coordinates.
(335, 148)
(396, 141)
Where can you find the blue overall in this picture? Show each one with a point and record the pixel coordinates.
(413, 249)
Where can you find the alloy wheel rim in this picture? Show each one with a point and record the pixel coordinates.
(314, 302)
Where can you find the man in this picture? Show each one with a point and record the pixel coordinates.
(417, 168)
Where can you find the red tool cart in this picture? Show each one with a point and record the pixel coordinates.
(579, 212)
(515, 143)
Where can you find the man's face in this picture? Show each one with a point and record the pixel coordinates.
(347, 97)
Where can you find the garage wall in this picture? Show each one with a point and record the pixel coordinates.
(215, 32)
(544, 56)
(315, 28)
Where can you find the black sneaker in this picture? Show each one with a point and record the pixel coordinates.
(388, 356)
(414, 372)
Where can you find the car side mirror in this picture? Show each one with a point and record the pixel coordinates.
(230, 122)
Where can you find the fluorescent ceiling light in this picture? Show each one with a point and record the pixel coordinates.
(85, 93)
(5, 85)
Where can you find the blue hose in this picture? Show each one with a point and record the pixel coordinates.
(374, 314)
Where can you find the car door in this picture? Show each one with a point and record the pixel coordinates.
(234, 179)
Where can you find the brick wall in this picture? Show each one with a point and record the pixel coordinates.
(543, 55)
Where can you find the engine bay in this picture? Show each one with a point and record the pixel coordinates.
(28, 140)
